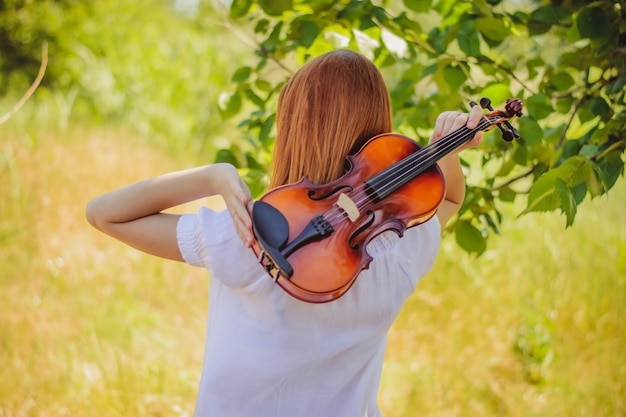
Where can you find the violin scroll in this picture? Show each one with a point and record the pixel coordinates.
(512, 108)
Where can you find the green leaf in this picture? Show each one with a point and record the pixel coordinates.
(492, 28)
(252, 96)
(579, 192)
(263, 85)
(430, 70)
(454, 76)
(550, 194)
(532, 65)
(275, 7)
(379, 14)
(578, 128)
(554, 188)
(273, 41)
(227, 155)
(542, 19)
(351, 12)
(438, 39)
(304, 30)
(575, 170)
(242, 74)
(588, 150)
(256, 179)
(470, 238)
(593, 23)
(252, 162)
(229, 104)
(530, 130)
(262, 26)
(612, 167)
(418, 6)
(402, 92)
(266, 129)
(617, 86)
(498, 93)
(599, 107)
(578, 58)
(239, 8)
(507, 194)
(539, 106)
(468, 39)
(564, 104)
(562, 81)
(595, 179)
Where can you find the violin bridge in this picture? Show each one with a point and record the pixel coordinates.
(348, 206)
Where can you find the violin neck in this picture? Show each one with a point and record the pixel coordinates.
(391, 179)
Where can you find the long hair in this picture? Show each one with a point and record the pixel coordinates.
(332, 104)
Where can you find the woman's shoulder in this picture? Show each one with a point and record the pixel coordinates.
(208, 239)
(410, 256)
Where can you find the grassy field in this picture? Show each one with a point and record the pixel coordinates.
(88, 327)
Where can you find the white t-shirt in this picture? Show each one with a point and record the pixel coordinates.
(269, 354)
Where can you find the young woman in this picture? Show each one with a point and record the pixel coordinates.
(268, 353)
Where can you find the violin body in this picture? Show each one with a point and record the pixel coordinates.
(312, 239)
(325, 269)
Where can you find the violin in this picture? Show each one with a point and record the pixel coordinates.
(312, 239)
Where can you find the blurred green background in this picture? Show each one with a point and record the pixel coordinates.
(89, 327)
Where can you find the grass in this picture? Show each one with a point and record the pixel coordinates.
(89, 327)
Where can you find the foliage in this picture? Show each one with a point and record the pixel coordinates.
(566, 60)
(145, 63)
(141, 63)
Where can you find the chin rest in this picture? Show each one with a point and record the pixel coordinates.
(272, 232)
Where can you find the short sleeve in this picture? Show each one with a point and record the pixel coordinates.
(411, 256)
(418, 252)
(208, 239)
(198, 232)
(190, 239)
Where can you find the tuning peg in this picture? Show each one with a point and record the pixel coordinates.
(485, 103)
(507, 134)
(513, 131)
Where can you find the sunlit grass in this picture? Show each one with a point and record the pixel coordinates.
(89, 327)
(534, 327)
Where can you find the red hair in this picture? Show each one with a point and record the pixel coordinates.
(335, 102)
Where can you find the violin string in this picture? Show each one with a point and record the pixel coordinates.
(425, 157)
(408, 167)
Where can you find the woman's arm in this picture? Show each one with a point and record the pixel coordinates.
(450, 165)
(134, 214)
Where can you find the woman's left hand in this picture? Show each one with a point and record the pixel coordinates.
(449, 121)
(237, 197)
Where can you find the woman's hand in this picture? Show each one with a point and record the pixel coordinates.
(446, 123)
(135, 214)
(238, 199)
(449, 121)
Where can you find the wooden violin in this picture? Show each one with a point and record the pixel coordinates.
(311, 238)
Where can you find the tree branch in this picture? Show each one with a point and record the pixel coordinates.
(515, 179)
(33, 87)
(561, 140)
